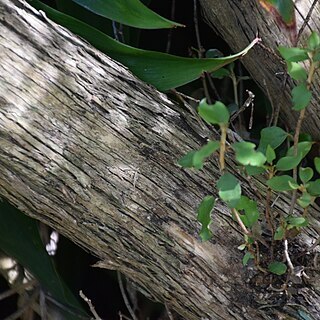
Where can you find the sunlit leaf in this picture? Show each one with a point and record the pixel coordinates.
(247, 155)
(214, 113)
(297, 221)
(204, 217)
(314, 41)
(305, 200)
(161, 70)
(303, 149)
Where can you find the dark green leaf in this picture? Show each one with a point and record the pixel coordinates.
(277, 268)
(305, 174)
(246, 258)
(204, 217)
(303, 149)
(129, 12)
(280, 183)
(272, 136)
(317, 163)
(288, 163)
(313, 187)
(296, 71)
(161, 70)
(247, 155)
(214, 53)
(214, 113)
(19, 238)
(301, 97)
(297, 221)
(229, 189)
(293, 54)
(252, 171)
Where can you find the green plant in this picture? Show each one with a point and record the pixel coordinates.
(283, 173)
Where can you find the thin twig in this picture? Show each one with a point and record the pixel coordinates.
(306, 20)
(17, 289)
(28, 304)
(286, 253)
(125, 298)
(170, 316)
(88, 301)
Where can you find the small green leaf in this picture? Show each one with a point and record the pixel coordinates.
(246, 154)
(251, 212)
(314, 41)
(303, 148)
(246, 258)
(270, 154)
(305, 174)
(195, 159)
(273, 136)
(280, 183)
(301, 97)
(214, 113)
(297, 221)
(313, 188)
(296, 71)
(229, 189)
(277, 268)
(279, 234)
(293, 54)
(317, 163)
(305, 200)
(252, 171)
(204, 217)
(288, 163)
(293, 185)
(187, 160)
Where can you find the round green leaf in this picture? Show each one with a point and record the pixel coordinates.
(293, 54)
(305, 174)
(272, 136)
(214, 113)
(229, 189)
(314, 41)
(246, 258)
(301, 97)
(305, 200)
(281, 183)
(288, 163)
(297, 221)
(270, 154)
(313, 188)
(296, 71)
(278, 268)
(246, 154)
(279, 234)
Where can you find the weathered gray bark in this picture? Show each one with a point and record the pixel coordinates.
(90, 150)
(238, 22)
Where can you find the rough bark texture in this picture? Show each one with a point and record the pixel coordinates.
(238, 22)
(90, 150)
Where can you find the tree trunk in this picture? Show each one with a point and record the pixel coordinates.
(239, 21)
(91, 151)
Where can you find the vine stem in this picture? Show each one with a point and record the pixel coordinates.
(223, 139)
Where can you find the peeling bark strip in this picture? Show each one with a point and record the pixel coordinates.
(239, 21)
(90, 150)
